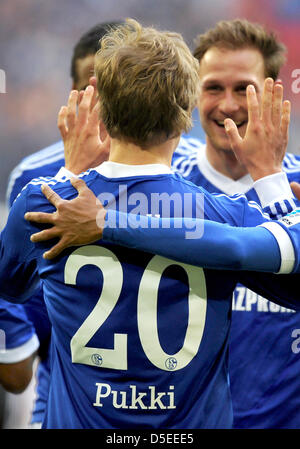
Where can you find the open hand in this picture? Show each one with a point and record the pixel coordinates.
(86, 141)
(264, 145)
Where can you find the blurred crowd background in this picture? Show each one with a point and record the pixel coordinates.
(37, 39)
(36, 43)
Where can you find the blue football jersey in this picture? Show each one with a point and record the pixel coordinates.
(264, 359)
(18, 339)
(138, 341)
(43, 163)
(17, 333)
(46, 162)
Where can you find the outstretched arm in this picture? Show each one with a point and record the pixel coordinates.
(267, 248)
(220, 246)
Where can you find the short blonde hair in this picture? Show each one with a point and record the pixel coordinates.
(147, 82)
(240, 33)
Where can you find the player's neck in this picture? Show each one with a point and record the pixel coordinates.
(130, 154)
(224, 162)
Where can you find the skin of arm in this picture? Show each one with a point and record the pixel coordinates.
(15, 377)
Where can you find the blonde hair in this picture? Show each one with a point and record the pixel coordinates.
(147, 82)
(239, 33)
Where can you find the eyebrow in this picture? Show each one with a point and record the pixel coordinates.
(243, 82)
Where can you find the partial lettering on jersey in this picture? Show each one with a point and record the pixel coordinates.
(245, 300)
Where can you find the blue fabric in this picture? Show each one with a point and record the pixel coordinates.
(139, 388)
(263, 366)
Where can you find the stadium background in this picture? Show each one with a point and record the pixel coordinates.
(36, 43)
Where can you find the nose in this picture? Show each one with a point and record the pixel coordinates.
(228, 103)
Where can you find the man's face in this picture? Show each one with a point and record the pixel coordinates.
(224, 76)
(84, 69)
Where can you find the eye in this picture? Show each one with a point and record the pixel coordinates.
(241, 89)
(213, 88)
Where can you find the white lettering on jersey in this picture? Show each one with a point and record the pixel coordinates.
(135, 400)
(247, 300)
(238, 298)
(296, 342)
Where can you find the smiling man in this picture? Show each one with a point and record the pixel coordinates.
(108, 365)
(223, 89)
(263, 368)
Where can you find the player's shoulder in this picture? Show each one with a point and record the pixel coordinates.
(60, 184)
(184, 185)
(44, 156)
(187, 154)
(43, 162)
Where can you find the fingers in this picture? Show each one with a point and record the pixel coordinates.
(40, 217)
(94, 118)
(295, 186)
(85, 100)
(285, 119)
(71, 109)
(273, 109)
(277, 104)
(80, 97)
(267, 101)
(93, 82)
(46, 234)
(51, 196)
(55, 250)
(83, 108)
(252, 103)
(233, 134)
(79, 185)
(61, 122)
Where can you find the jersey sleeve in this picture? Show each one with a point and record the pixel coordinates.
(18, 273)
(219, 246)
(16, 184)
(235, 210)
(290, 223)
(17, 335)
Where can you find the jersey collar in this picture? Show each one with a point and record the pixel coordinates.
(111, 169)
(222, 182)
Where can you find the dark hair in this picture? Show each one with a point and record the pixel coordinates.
(240, 33)
(89, 44)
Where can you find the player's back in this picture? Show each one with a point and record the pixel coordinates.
(148, 348)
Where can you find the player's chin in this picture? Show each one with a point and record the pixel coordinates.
(221, 143)
(223, 147)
